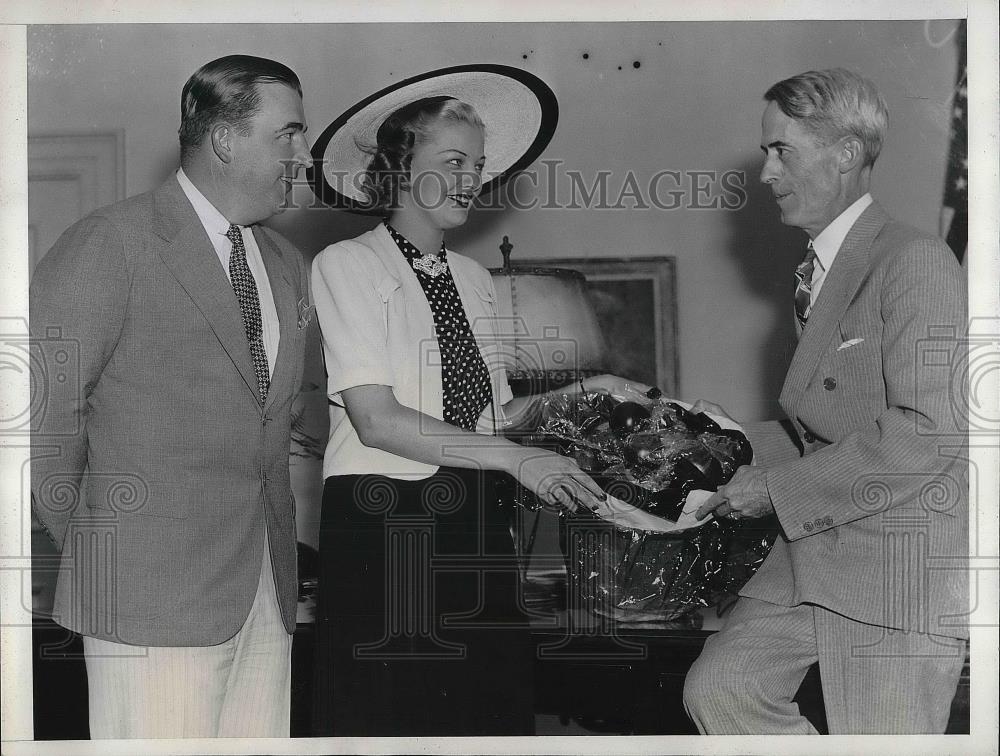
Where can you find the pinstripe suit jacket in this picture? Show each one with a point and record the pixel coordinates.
(869, 479)
(155, 464)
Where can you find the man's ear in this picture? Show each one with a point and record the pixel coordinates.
(852, 154)
(222, 142)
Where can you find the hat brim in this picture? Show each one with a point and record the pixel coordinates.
(519, 110)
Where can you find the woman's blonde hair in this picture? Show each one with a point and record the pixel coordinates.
(388, 172)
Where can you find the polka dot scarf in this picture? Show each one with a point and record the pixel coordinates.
(464, 376)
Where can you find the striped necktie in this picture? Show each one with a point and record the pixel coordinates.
(803, 286)
(246, 292)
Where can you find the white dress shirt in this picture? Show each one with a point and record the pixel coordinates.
(216, 226)
(829, 241)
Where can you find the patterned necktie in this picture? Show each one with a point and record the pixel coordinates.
(246, 293)
(803, 286)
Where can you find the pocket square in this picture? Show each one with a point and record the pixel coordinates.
(849, 343)
(305, 312)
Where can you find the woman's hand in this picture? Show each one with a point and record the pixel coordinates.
(556, 480)
(622, 389)
(383, 423)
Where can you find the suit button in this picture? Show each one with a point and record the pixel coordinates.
(829, 383)
(808, 437)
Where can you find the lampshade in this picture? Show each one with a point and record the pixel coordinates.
(549, 329)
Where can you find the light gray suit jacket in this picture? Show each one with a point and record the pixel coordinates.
(154, 463)
(869, 480)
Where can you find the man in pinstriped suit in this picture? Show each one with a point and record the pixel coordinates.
(178, 548)
(867, 475)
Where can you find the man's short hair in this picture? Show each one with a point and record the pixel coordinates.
(226, 90)
(835, 103)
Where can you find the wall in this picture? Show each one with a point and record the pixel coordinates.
(693, 103)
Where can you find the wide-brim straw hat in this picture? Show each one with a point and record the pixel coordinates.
(518, 109)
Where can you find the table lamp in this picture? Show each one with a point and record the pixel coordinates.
(548, 329)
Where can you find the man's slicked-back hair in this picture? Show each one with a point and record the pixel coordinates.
(835, 103)
(225, 89)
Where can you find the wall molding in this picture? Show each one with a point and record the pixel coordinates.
(92, 164)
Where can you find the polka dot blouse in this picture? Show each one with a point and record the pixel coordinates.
(465, 378)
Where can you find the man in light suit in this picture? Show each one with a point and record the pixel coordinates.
(163, 473)
(866, 474)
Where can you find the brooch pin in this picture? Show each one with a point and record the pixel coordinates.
(430, 265)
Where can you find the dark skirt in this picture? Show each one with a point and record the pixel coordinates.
(419, 627)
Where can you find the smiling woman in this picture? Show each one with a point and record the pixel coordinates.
(419, 630)
(426, 168)
(386, 664)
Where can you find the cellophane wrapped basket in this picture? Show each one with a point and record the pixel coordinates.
(650, 457)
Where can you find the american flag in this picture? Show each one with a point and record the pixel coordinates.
(955, 211)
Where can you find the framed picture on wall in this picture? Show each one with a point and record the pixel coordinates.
(636, 303)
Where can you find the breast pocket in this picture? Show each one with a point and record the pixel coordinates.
(387, 289)
(483, 321)
(855, 366)
(487, 297)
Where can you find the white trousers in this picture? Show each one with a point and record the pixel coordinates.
(239, 688)
(875, 680)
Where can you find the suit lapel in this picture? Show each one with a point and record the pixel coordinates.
(189, 255)
(285, 294)
(846, 274)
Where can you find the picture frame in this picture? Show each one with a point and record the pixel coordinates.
(636, 303)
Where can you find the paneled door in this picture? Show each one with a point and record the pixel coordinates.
(69, 175)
